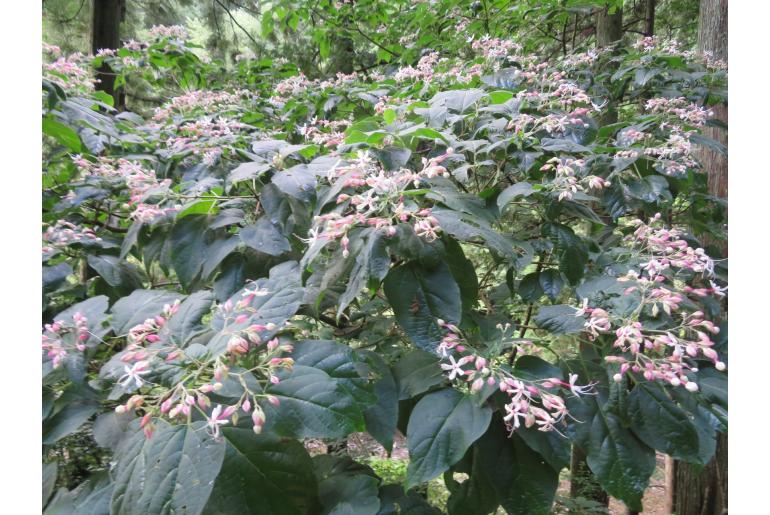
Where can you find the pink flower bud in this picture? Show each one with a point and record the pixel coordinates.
(477, 385)
(166, 405)
(246, 406)
(152, 338)
(275, 401)
(145, 419)
(241, 319)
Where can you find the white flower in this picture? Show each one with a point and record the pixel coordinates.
(454, 367)
(214, 421)
(578, 390)
(134, 374)
(718, 290)
(583, 307)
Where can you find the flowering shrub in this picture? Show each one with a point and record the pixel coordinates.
(459, 250)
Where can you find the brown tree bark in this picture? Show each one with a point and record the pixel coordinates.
(712, 37)
(704, 491)
(609, 31)
(105, 33)
(609, 27)
(649, 18)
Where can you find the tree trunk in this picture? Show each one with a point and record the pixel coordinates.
(609, 27)
(583, 483)
(712, 37)
(649, 19)
(704, 491)
(609, 31)
(105, 33)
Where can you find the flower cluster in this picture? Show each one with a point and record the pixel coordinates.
(568, 180)
(333, 138)
(495, 47)
(655, 351)
(680, 108)
(142, 183)
(72, 73)
(532, 402)
(64, 233)
(172, 31)
(206, 137)
(61, 337)
(380, 202)
(248, 356)
(424, 70)
(209, 102)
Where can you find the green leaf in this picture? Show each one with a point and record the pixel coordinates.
(382, 417)
(282, 298)
(442, 426)
(298, 182)
(553, 447)
(559, 319)
(520, 189)
(504, 470)
(63, 134)
(116, 272)
(138, 307)
(533, 368)
(466, 228)
(49, 480)
(389, 115)
(312, 405)
(189, 248)
(173, 472)
(573, 262)
(346, 488)
(262, 472)
(621, 462)
(530, 289)
(371, 261)
(340, 362)
(393, 158)
(464, 272)
(217, 251)
(68, 420)
(419, 297)
(562, 145)
(660, 423)
(264, 237)
(551, 282)
(416, 372)
(187, 321)
(460, 100)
